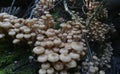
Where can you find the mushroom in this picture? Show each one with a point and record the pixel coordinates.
(42, 58)
(38, 50)
(63, 72)
(45, 65)
(43, 44)
(27, 36)
(53, 57)
(63, 51)
(5, 25)
(42, 71)
(19, 36)
(101, 72)
(65, 58)
(27, 30)
(58, 66)
(37, 43)
(17, 25)
(56, 49)
(63, 26)
(74, 55)
(57, 42)
(40, 37)
(48, 51)
(77, 46)
(71, 64)
(49, 44)
(50, 70)
(50, 34)
(42, 27)
(2, 36)
(15, 41)
(15, 29)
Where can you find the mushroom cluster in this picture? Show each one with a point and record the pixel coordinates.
(19, 29)
(42, 6)
(106, 57)
(96, 64)
(58, 49)
(92, 67)
(97, 30)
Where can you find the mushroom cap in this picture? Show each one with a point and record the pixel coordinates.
(68, 46)
(45, 65)
(27, 36)
(50, 70)
(2, 35)
(71, 64)
(101, 72)
(63, 25)
(49, 44)
(42, 58)
(12, 33)
(19, 36)
(16, 41)
(63, 72)
(42, 71)
(38, 50)
(6, 25)
(27, 30)
(53, 57)
(63, 51)
(74, 55)
(57, 41)
(77, 46)
(65, 58)
(58, 66)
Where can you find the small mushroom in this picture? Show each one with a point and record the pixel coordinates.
(74, 55)
(19, 35)
(38, 50)
(71, 64)
(77, 46)
(57, 42)
(2, 36)
(45, 65)
(15, 41)
(50, 70)
(42, 71)
(53, 57)
(65, 58)
(6, 25)
(58, 66)
(42, 58)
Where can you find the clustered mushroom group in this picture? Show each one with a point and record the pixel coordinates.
(97, 30)
(58, 50)
(42, 6)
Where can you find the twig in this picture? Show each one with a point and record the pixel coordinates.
(11, 6)
(89, 49)
(66, 9)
